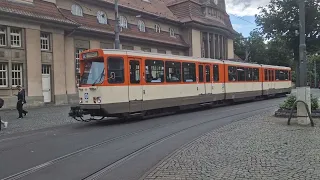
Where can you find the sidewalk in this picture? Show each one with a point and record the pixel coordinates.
(261, 147)
(37, 118)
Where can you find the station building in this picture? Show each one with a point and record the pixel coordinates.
(40, 40)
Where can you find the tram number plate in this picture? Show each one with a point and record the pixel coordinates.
(86, 95)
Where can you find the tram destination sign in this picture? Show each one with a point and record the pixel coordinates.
(90, 55)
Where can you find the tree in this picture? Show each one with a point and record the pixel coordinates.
(257, 48)
(278, 53)
(240, 46)
(281, 19)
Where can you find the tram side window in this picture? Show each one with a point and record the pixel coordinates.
(241, 74)
(173, 71)
(216, 73)
(134, 72)
(232, 73)
(189, 72)
(289, 74)
(255, 74)
(266, 77)
(154, 71)
(208, 74)
(116, 67)
(286, 75)
(200, 73)
(248, 74)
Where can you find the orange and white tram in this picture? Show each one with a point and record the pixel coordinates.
(120, 83)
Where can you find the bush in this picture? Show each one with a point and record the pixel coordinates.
(288, 103)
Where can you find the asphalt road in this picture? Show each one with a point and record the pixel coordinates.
(112, 149)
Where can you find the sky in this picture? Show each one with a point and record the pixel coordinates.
(242, 14)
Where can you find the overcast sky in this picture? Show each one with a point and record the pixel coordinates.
(245, 9)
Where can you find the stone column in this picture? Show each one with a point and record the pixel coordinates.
(69, 57)
(33, 50)
(59, 69)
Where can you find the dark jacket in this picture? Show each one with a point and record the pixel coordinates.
(22, 96)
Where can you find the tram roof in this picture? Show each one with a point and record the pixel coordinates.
(188, 58)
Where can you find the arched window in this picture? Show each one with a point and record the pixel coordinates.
(141, 26)
(157, 28)
(171, 31)
(123, 22)
(102, 17)
(76, 10)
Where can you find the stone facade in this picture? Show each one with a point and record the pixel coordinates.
(40, 40)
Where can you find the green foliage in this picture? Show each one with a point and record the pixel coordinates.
(288, 103)
(281, 19)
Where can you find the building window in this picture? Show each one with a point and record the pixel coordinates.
(171, 31)
(76, 10)
(77, 64)
(123, 22)
(3, 36)
(162, 51)
(15, 37)
(102, 17)
(175, 52)
(146, 49)
(3, 75)
(127, 47)
(16, 75)
(141, 26)
(157, 28)
(45, 43)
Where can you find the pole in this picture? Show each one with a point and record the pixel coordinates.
(315, 73)
(302, 47)
(117, 26)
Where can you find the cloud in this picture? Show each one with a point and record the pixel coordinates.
(245, 7)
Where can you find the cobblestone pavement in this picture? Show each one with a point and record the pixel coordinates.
(37, 118)
(261, 147)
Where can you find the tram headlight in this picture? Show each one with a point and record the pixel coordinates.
(99, 100)
(80, 101)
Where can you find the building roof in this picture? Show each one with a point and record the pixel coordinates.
(153, 7)
(89, 22)
(38, 10)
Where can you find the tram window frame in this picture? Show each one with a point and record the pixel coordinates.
(134, 71)
(150, 63)
(241, 74)
(248, 72)
(208, 73)
(270, 75)
(255, 74)
(191, 72)
(121, 69)
(200, 73)
(216, 73)
(232, 73)
(266, 75)
(176, 69)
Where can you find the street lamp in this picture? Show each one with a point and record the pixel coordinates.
(117, 26)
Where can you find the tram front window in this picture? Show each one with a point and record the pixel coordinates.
(94, 72)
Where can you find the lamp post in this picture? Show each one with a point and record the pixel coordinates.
(117, 26)
(302, 46)
(303, 92)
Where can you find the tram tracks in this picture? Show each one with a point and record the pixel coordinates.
(127, 157)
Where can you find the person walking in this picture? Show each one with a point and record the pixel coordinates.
(21, 100)
(5, 124)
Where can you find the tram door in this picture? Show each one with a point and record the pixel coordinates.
(135, 86)
(207, 78)
(201, 85)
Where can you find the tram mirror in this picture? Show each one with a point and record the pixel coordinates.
(112, 75)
